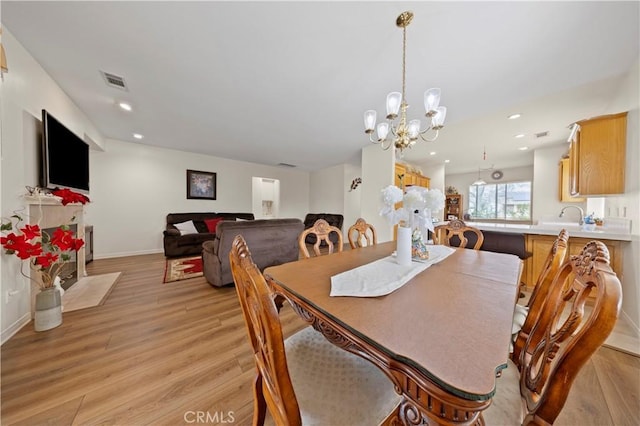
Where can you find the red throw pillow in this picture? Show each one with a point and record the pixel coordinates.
(212, 223)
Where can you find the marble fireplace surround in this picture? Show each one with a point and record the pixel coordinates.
(48, 212)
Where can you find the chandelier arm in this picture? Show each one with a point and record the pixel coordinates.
(381, 142)
(388, 146)
(393, 129)
(427, 139)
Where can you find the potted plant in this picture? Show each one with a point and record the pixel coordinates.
(46, 254)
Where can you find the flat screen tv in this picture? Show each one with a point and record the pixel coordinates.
(65, 157)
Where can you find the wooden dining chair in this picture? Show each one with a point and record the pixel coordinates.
(525, 317)
(458, 231)
(304, 379)
(362, 234)
(563, 339)
(321, 229)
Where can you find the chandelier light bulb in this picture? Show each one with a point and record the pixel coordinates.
(394, 99)
(431, 101)
(414, 129)
(369, 120)
(383, 131)
(438, 118)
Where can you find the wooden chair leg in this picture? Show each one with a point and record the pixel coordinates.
(259, 404)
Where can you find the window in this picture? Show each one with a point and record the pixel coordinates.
(506, 201)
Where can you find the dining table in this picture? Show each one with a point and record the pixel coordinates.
(442, 338)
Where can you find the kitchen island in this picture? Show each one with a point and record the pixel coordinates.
(539, 238)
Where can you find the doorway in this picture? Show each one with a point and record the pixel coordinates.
(266, 197)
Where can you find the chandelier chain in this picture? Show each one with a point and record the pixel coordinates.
(404, 60)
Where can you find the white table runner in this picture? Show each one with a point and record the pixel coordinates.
(384, 275)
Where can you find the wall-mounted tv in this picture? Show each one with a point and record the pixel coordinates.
(65, 157)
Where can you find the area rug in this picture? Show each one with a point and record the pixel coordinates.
(89, 291)
(182, 269)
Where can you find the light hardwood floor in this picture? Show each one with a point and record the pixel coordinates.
(159, 354)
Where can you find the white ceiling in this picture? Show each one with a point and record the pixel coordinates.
(288, 82)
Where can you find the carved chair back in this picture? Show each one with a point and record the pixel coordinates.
(273, 385)
(321, 229)
(567, 332)
(541, 291)
(456, 228)
(361, 234)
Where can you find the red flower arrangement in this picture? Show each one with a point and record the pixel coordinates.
(68, 196)
(46, 253)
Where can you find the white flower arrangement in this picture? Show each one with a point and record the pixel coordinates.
(418, 203)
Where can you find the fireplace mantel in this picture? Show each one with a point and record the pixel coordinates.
(48, 212)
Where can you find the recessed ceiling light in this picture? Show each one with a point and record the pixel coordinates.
(138, 136)
(523, 148)
(514, 116)
(125, 106)
(447, 161)
(521, 135)
(432, 153)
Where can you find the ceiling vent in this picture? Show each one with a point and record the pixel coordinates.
(285, 165)
(113, 80)
(541, 135)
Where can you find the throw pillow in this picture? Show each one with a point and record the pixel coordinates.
(212, 223)
(186, 227)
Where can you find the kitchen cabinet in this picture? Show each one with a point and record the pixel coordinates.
(409, 177)
(540, 246)
(564, 190)
(597, 156)
(453, 207)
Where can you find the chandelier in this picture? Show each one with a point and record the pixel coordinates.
(405, 134)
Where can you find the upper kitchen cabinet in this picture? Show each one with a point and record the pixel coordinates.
(407, 176)
(597, 156)
(564, 183)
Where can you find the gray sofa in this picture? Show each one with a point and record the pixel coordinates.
(271, 242)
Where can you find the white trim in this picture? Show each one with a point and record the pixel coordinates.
(15, 327)
(127, 253)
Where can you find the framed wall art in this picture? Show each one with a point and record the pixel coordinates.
(201, 185)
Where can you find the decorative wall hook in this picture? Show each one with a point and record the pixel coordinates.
(355, 183)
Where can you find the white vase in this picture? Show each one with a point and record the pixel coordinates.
(48, 309)
(403, 246)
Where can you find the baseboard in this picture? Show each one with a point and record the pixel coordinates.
(631, 324)
(127, 253)
(625, 337)
(15, 327)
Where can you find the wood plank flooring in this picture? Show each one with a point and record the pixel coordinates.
(162, 354)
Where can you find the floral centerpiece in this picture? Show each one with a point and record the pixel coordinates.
(418, 204)
(45, 253)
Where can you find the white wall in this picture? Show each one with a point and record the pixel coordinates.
(133, 186)
(326, 190)
(24, 92)
(377, 174)
(628, 205)
(546, 178)
(352, 198)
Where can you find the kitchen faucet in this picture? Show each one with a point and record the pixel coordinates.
(581, 221)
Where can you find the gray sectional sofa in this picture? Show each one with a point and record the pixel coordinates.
(271, 242)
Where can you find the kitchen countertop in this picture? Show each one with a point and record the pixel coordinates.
(599, 232)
